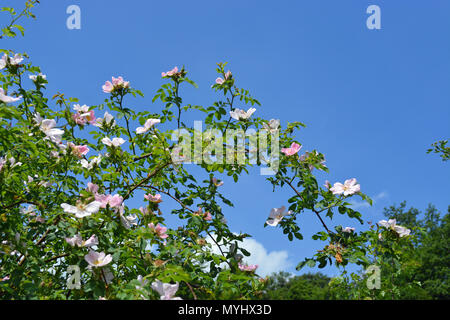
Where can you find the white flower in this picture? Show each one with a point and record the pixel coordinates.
(348, 188)
(7, 99)
(13, 163)
(2, 163)
(82, 210)
(166, 290)
(272, 125)
(29, 210)
(276, 215)
(348, 229)
(115, 142)
(37, 118)
(45, 184)
(81, 109)
(77, 240)
(16, 59)
(12, 61)
(392, 224)
(108, 119)
(239, 114)
(90, 165)
(127, 221)
(97, 259)
(143, 283)
(34, 77)
(147, 125)
(48, 127)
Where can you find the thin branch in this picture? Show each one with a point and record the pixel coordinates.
(191, 289)
(142, 157)
(167, 193)
(57, 257)
(149, 176)
(314, 210)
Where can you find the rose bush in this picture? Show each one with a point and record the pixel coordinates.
(68, 178)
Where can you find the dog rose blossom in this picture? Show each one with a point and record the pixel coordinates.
(276, 215)
(166, 290)
(293, 149)
(97, 259)
(348, 188)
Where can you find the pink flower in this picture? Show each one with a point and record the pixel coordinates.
(112, 201)
(78, 119)
(96, 259)
(83, 115)
(40, 219)
(117, 84)
(327, 184)
(89, 116)
(145, 211)
(293, 149)
(92, 187)
(153, 198)
(159, 230)
(207, 216)
(115, 201)
(107, 87)
(248, 268)
(216, 182)
(79, 151)
(219, 80)
(78, 241)
(103, 199)
(148, 124)
(75, 240)
(348, 188)
(170, 73)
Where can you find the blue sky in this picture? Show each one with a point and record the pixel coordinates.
(373, 100)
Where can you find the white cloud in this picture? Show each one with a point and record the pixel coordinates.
(364, 204)
(267, 262)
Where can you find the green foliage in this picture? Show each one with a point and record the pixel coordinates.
(11, 29)
(309, 286)
(441, 148)
(417, 269)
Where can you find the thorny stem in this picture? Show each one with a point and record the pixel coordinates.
(127, 123)
(314, 210)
